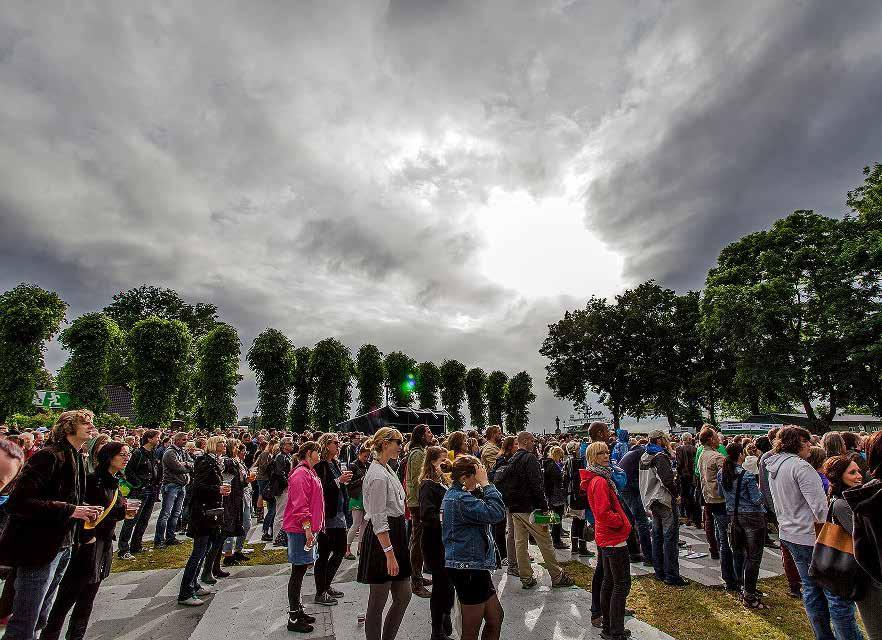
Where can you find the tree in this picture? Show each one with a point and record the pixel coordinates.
(271, 358)
(518, 398)
(330, 370)
(496, 382)
(428, 384)
(29, 316)
(217, 374)
(91, 339)
(302, 390)
(159, 350)
(400, 378)
(475, 388)
(370, 375)
(453, 375)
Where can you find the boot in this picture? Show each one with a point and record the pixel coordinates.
(216, 568)
(298, 624)
(447, 624)
(584, 552)
(574, 544)
(438, 634)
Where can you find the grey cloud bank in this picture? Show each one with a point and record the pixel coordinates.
(316, 166)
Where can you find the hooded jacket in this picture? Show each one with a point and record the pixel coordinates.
(611, 525)
(866, 504)
(621, 447)
(798, 496)
(657, 479)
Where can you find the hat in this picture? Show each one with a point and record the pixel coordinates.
(655, 434)
(41, 429)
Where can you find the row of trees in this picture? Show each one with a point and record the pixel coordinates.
(789, 319)
(182, 362)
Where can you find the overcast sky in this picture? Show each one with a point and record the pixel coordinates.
(440, 177)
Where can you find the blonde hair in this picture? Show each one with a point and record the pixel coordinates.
(213, 441)
(67, 424)
(556, 454)
(381, 437)
(323, 441)
(594, 450)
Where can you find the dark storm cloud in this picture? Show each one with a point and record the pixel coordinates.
(318, 167)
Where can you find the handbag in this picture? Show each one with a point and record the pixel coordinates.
(213, 517)
(833, 564)
(733, 531)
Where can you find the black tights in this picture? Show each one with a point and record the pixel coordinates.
(295, 585)
(441, 602)
(331, 547)
(489, 612)
(373, 622)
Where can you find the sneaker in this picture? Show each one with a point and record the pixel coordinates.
(241, 557)
(172, 542)
(629, 612)
(125, 556)
(245, 551)
(597, 621)
(202, 592)
(677, 582)
(231, 561)
(300, 626)
(221, 573)
(192, 601)
(513, 572)
(266, 537)
(529, 583)
(648, 563)
(563, 581)
(208, 579)
(335, 594)
(158, 545)
(325, 599)
(301, 613)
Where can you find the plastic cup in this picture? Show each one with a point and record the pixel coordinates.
(132, 508)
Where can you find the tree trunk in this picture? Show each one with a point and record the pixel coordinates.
(671, 421)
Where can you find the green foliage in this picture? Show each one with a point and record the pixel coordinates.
(496, 382)
(370, 375)
(112, 421)
(91, 340)
(29, 316)
(475, 389)
(518, 398)
(217, 374)
(401, 371)
(159, 349)
(23, 421)
(453, 375)
(428, 384)
(271, 358)
(302, 390)
(330, 370)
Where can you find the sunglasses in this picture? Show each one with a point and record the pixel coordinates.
(396, 441)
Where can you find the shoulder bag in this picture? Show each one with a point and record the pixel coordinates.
(833, 565)
(733, 531)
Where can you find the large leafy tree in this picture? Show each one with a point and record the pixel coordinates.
(401, 372)
(453, 375)
(496, 382)
(428, 384)
(370, 376)
(159, 350)
(91, 339)
(271, 358)
(217, 374)
(331, 369)
(518, 398)
(475, 388)
(301, 390)
(29, 316)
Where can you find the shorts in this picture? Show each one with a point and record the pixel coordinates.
(297, 555)
(473, 586)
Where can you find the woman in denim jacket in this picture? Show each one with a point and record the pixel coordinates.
(468, 510)
(749, 525)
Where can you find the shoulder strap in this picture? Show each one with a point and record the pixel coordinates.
(738, 492)
(92, 525)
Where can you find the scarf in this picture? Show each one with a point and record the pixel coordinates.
(605, 472)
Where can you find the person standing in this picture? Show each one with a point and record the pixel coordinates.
(237, 508)
(552, 476)
(356, 499)
(612, 528)
(685, 458)
(710, 463)
(413, 468)
(577, 501)
(46, 509)
(798, 496)
(177, 465)
(332, 538)
(142, 472)
(282, 465)
(433, 487)
(630, 498)
(384, 558)
(527, 494)
(304, 515)
(491, 448)
(264, 467)
(91, 561)
(658, 490)
(469, 508)
(505, 537)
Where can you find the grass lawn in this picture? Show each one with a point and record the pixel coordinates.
(175, 557)
(697, 612)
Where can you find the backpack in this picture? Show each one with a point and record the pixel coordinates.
(504, 479)
(277, 482)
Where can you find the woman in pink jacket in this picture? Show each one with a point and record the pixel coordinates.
(304, 518)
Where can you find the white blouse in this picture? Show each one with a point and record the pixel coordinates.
(383, 496)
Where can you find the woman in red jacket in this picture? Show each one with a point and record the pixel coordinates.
(611, 528)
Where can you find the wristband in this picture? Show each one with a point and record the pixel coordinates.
(387, 549)
(307, 525)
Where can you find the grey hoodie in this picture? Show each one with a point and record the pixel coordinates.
(798, 495)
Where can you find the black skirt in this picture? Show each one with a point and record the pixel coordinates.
(372, 560)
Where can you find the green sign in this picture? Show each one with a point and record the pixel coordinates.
(51, 399)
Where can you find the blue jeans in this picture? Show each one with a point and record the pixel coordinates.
(823, 608)
(35, 589)
(731, 568)
(632, 501)
(201, 547)
(665, 535)
(172, 503)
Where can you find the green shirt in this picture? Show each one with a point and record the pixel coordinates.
(415, 459)
(698, 451)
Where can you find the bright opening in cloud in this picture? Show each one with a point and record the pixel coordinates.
(542, 248)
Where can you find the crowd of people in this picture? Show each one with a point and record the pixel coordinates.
(433, 516)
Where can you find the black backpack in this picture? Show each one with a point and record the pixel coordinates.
(504, 478)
